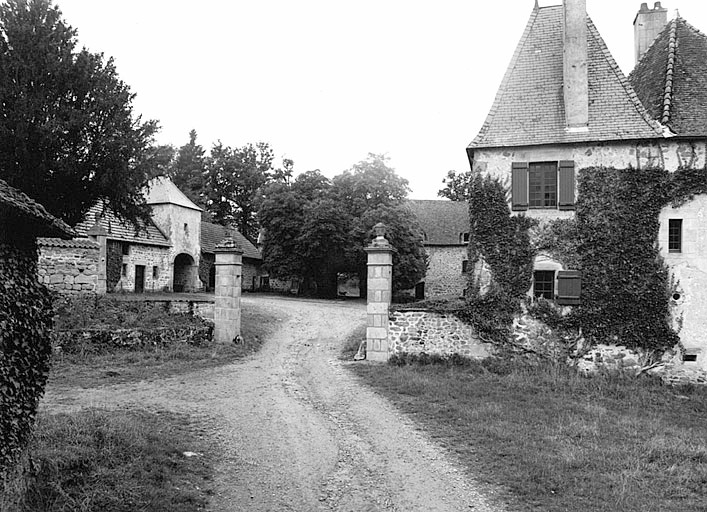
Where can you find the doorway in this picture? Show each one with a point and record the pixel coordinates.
(139, 278)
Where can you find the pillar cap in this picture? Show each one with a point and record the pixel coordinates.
(379, 243)
(228, 244)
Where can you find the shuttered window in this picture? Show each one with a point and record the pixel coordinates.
(569, 287)
(544, 284)
(519, 186)
(543, 185)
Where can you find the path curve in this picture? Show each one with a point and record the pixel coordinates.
(298, 432)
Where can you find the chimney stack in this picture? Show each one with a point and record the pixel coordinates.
(576, 84)
(647, 24)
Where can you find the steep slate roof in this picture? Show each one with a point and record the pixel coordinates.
(18, 203)
(212, 234)
(162, 190)
(119, 230)
(529, 105)
(441, 220)
(671, 78)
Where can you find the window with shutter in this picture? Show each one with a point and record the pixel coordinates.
(569, 287)
(544, 284)
(519, 186)
(542, 185)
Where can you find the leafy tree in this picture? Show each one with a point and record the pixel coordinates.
(316, 228)
(68, 136)
(188, 170)
(234, 177)
(159, 160)
(457, 187)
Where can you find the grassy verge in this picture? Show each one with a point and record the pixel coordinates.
(556, 441)
(90, 370)
(113, 462)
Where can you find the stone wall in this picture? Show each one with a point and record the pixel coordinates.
(156, 261)
(417, 331)
(444, 276)
(68, 267)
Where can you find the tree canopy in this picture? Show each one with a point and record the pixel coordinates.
(68, 136)
(316, 227)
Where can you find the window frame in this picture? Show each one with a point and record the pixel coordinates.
(675, 239)
(546, 177)
(550, 281)
(564, 185)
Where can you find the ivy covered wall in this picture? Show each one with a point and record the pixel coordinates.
(25, 348)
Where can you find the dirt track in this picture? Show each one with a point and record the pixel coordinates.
(298, 432)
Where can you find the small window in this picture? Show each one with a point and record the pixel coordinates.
(186, 227)
(155, 272)
(124, 270)
(675, 235)
(125, 247)
(544, 284)
(465, 238)
(465, 266)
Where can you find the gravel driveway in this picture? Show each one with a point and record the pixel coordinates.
(298, 432)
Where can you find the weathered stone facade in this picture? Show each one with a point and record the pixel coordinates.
(444, 275)
(68, 266)
(150, 261)
(417, 331)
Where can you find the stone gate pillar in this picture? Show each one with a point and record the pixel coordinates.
(100, 236)
(227, 309)
(380, 290)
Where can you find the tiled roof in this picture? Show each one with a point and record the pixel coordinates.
(529, 105)
(18, 203)
(119, 230)
(212, 234)
(75, 243)
(162, 190)
(444, 222)
(671, 78)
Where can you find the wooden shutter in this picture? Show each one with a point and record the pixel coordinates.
(566, 194)
(519, 186)
(569, 287)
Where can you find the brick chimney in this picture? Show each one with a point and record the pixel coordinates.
(646, 26)
(576, 84)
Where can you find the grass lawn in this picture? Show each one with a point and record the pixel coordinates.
(126, 460)
(557, 441)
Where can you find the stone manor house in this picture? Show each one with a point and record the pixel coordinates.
(564, 105)
(174, 252)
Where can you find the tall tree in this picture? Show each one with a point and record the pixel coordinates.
(457, 186)
(188, 170)
(68, 136)
(234, 177)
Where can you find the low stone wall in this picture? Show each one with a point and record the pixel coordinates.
(202, 308)
(417, 331)
(68, 266)
(102, 340)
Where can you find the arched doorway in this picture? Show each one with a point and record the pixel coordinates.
(184, 272)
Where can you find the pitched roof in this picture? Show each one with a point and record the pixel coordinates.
(671, 78)
(75, 243)
(162, 190)
(19, 203)
(212, 234)
(529, 105)
(444, 222)
(119, 230)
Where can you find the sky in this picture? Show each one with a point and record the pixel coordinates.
(326, 82)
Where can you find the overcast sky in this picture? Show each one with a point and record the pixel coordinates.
(325, 82)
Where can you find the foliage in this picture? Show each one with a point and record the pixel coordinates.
(316, 228)
(109, 312)
(500, 239)
(559, 239)
(457, 186)
(68, 136)
(25, 323)
(625, 283)
(188, 169)
(234, 177)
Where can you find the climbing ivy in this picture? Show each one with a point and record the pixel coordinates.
(25, 349)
